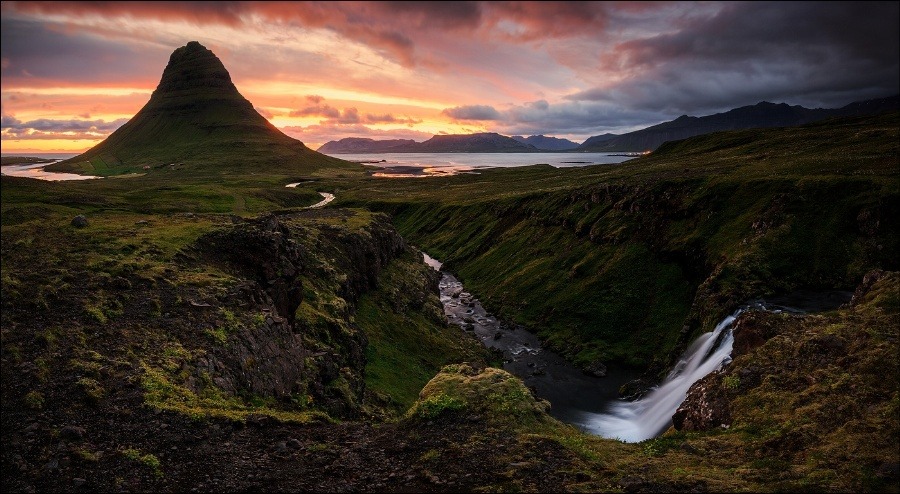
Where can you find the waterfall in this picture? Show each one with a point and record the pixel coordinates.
(651, 415)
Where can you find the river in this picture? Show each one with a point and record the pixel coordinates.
(570, 391)
(591, 403)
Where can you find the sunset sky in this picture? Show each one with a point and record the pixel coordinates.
(73, 72)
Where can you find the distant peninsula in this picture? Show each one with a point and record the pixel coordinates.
(485, 142)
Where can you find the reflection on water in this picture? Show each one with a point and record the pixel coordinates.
(36, 170)
(423, 165)
(405, 171)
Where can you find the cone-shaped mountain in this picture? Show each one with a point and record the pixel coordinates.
(196, 116)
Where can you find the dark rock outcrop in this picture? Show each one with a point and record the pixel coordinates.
(751, 330)
(79, 221)
(275, 354)
(635, 389)
(263, 251)
(868, 281)
(707, 406)
(596, 369)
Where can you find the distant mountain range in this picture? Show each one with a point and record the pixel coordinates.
(545, 143)
(762, 114)
(351, 145)
(485, 142)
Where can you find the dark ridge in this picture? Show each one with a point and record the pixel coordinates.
(760, 115)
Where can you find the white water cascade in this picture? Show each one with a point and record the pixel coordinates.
(648, 417)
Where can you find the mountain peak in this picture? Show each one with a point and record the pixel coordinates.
(197, 116)
(194, 66)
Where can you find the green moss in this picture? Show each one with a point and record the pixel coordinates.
(494, 394)
(148, 460)
(91, 388)
(96, 313)
(434, 406)
(34, 400)
(87, 455)
(162, 393)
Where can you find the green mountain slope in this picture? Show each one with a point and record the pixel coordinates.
(196, 117)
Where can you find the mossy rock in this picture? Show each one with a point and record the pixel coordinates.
(461, 391)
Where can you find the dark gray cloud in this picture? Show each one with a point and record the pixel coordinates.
(12, 123)
(472, 112)
(444, 15)
(667, 58)
(819, 54)
(573, 118)
(44, 128)
(348, 116)
(33, 52)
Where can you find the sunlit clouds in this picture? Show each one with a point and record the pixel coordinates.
(72, 71)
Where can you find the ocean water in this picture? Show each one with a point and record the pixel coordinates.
(49, 156)
(442, 164)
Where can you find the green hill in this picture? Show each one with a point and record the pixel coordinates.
(197, 118)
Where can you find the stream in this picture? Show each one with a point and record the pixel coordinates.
(571, 392)
(591, 403)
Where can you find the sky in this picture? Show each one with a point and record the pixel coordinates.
(73, 72)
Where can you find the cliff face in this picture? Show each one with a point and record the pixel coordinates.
(279, 354)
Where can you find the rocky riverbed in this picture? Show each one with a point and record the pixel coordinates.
(570, 390)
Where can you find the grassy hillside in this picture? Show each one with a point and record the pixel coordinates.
(628, 263)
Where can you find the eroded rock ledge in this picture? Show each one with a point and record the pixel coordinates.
(278, 262)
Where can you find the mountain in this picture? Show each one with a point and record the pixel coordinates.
(595, 140)
(485, 142)
(365, 145)
(196, 116)
(545, 143)
(760, 115)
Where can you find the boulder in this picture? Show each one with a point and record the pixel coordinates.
(71, 433)
(596, 369)
(706, 407)
(634, 389)
(79, 221)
